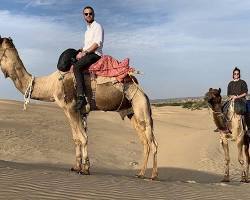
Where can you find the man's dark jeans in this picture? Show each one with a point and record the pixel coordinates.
(79, 66)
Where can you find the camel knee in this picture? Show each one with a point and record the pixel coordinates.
(241, 161)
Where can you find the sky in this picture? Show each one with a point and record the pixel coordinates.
(183, 47)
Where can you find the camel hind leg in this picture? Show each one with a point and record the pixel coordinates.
(240, 158)
(155, 151)
(247, 157)
(143, 123)
(146, 147)
(246, 150)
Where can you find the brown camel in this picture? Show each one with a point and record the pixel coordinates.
(231, 126)
(59, 88)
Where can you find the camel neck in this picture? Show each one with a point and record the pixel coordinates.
(217, 108)
(219, 117)
(41, 86)
(20, 76)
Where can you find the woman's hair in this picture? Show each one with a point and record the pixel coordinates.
(236, 69)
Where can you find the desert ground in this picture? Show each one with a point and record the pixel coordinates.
(37, 151)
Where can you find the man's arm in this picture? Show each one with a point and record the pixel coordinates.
(82, 53)
(91, 49)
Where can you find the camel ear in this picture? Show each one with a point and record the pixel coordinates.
(210, 89)
(219, 90)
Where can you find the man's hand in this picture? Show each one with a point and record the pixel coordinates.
(80, 55)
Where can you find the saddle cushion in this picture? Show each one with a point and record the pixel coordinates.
(107, 66)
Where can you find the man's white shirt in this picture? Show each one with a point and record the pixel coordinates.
(94, 34)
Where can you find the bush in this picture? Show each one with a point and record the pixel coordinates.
(193, 105)
(198, 105)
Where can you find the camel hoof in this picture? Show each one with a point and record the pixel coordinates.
(139, 176)
(84, 172)
(154, 178)
(225, 180)
(75, 169)
(244, 180)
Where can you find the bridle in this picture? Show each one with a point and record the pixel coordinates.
(222, 114)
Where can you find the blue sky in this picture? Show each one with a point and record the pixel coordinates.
(183, 47)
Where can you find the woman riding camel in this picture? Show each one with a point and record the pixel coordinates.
(236, 91)
(237, 88)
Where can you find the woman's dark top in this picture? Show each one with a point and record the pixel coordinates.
(237, 87)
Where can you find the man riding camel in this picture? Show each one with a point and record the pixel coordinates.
(89, 54)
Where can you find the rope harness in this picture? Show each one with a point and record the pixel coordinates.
(28, 92)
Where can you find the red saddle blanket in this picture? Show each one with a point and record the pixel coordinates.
(110, 67)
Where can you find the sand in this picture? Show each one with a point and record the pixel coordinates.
(37, 151)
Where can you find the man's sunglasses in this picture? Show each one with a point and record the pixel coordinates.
(90, 14)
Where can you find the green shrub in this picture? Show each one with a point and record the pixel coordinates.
(192, 105)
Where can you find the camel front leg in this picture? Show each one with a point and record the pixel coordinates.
(82, 159)
(84, 151)
(224, 143)
(77, 167)
(80, 138)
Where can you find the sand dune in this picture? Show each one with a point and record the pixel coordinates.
(37, 151)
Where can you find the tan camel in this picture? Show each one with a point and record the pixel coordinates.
(60, 89)
(231, 126)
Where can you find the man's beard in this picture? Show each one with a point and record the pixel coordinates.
(90, 21)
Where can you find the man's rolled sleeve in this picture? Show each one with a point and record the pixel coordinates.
(99, 34)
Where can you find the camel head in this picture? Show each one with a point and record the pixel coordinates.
(213, 97)
(7, 62)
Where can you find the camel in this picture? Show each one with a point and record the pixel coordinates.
(59, 88)
(231, 126)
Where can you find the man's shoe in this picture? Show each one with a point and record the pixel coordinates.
(80, 102)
